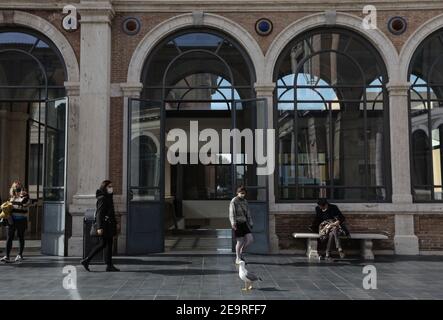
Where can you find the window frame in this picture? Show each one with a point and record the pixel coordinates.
(387, 186)
(428, 85)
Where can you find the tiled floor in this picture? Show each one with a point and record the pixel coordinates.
(215, 240)
(174, 276)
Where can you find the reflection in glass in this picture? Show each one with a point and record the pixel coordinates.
(145, 150)
(55, 150)
(330, 105)
(426, 114)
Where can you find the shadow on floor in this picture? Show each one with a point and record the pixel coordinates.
(271, 289)
(70, 261)
(174, 272)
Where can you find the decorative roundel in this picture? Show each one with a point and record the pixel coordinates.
(397, 25)
(263, 26)
(131, 26)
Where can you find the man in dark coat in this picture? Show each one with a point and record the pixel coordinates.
(329, 221)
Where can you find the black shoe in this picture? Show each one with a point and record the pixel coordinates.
(112, 269)
(85, 264)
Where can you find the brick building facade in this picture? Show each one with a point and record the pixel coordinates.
(104, 69)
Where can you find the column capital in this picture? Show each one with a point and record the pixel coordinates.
(131, 89)
(72, 89)
(264, 89)
(95, 11)
(398, 89)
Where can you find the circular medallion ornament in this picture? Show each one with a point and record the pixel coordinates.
(397, 25)
(263, 26)
(131, 26)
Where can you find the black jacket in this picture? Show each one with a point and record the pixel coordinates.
(332, 213)
(105, 217)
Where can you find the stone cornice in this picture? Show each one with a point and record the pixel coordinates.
(131, 89)
(270, 5)
(398, 89)
(95, 11)
(72, 88)
(264, 89)
(229, 5)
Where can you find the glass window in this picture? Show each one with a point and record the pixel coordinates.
(330, 103)
(28, 60)
(426, 118)
(203, 182)
(197, 66)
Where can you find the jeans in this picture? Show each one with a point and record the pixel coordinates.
(106, 244)
(333, 235)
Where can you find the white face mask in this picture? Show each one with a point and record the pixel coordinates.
(110, 190)
(241, 195)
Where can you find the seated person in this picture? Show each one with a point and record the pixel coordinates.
(329, 223)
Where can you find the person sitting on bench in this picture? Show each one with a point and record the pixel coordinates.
(329, 223)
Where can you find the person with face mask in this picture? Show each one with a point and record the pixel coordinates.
(19, 222)
(329, 223)
(241, 223)
(106, 226)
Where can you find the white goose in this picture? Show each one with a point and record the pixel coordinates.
(247, 277)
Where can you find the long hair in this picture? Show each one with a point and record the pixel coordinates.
(105, 184)
(14, 185)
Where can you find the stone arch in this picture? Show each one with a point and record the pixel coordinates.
(39, 24)
(414, 41)
(152, 38)
(377, 38)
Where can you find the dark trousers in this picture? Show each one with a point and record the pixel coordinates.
(105, 243)
(20, 226)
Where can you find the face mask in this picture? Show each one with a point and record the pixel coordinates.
(241, 195)
(323, 210)
(110, 190)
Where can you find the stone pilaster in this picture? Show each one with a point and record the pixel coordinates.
(266, 91)
(399, 140)
(93, 111)
(406, 242)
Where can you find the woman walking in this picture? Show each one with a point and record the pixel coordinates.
(19, 222)
(241, 223)
(106, 226)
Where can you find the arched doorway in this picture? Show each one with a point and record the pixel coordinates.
(193, 77)
(33, 113)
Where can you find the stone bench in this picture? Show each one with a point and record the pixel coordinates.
(365, 243)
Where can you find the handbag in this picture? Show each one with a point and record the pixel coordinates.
(5, 214)
(93, 231)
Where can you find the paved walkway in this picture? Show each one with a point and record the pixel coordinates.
(215, 277)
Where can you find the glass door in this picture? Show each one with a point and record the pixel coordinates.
(54, 182)
(145, 177)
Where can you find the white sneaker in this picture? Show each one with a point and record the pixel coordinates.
(18, 258)
(237, 261)
(5, 259)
